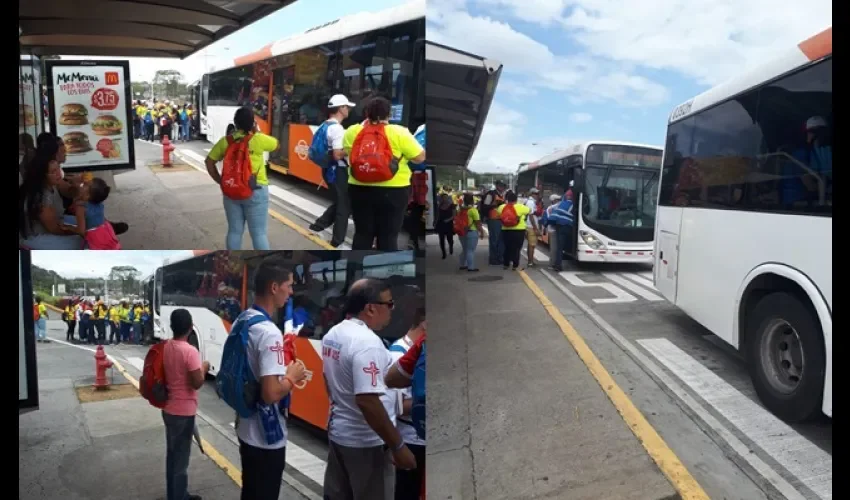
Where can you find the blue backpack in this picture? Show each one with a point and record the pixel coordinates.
(235, 382)
(420, 138)
(417, 413)
(320, 154)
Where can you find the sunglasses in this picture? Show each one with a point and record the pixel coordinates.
(389, 303)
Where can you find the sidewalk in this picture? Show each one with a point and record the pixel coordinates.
(513, 411)
(179, 209)
(98, 450)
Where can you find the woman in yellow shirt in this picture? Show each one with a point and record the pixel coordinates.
(255, 210)
(40, 320)
(469, 241)
(513, 236)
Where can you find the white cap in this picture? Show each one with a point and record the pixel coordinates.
(554, 197)
(340, 100)
(572, 183)
(533, 191)
(815, 122)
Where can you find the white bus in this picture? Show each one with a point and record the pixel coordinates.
(744, 227)
(615, 185)
(216, 286)
(288, 82)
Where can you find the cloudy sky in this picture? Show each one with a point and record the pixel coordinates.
(93, 264)
(296, 18)
(608, 69)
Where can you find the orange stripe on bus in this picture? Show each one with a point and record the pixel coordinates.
(264, 53)
(818, 46)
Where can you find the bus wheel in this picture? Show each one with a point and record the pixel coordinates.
(786, 357)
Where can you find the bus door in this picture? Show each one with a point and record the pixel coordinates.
(203, 127)
(577, 176)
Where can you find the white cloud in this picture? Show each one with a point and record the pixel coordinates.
(580, 117)
(94, 264)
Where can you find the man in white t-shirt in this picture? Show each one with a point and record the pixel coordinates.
(340, 208)
(264, 458)
(532, 228)
(408, 483)
(363, 439)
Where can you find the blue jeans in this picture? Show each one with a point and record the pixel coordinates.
(559, 242)
(254, 211)
(184, 131)
(497, 245)
(56, 241)
(41, 328)
(178, 448)
(468, 244)
(137, 332)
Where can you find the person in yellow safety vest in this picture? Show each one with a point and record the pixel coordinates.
(40, 317)
(124, 316)
(378, 208)
(100, 311)
(137, 323)
(70, 318)
(114, 324)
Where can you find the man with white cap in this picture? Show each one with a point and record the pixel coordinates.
(339, 210)
(558, 217)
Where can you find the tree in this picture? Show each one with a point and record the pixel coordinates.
(168, 81)
(127, 276)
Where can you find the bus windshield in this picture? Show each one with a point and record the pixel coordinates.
(621, 186)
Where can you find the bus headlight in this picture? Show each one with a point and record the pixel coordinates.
(590, 240)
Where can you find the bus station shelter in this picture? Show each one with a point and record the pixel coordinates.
(122, 28)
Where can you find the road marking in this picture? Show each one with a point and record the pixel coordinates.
(806, 462)
(620, 296)
(623, 282)
(137, 363)
(640, 279)
(709, 423)
(663, 456)
(207, 150)
(195, 156)
(292, 198)
(539, 255)
(300, 230)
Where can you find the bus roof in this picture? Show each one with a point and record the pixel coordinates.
(809, 50)
(579, 149)
(339, 29)
(184, 255)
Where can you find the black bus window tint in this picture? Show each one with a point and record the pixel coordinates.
(282, 94)
(594, 180)
(795, 157)
(677, 160)
(724, 147)
(554, 179)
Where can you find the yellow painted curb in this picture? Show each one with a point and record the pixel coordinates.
(223, 463)
(300, 230)
(664, 457)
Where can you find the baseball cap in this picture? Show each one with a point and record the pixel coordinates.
(340, 100)
(533, 191)
(815, 122)
(554, 197)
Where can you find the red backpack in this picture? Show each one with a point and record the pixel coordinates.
(371, 159)
(236, 170)
(35, 315)
(509, 216)
(152, 384)
(461, 222)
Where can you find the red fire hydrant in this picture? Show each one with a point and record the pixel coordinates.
(101, 363)
(167, 148)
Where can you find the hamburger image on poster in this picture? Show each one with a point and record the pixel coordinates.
(107, 125)
(76, 142)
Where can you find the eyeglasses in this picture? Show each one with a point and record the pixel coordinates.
(389, 303)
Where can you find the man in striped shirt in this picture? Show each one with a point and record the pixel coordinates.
(558, 219)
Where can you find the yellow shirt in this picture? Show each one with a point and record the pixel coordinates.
(404, 146)
(124, 314)
(473, 216)
(522, 212)
(137, 315)
(141, 111)
(114, 315)
(42, 310)
(260, 143)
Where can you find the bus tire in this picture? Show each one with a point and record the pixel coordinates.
(781, 333)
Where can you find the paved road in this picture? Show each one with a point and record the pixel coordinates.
(306, 450)
(691, 386)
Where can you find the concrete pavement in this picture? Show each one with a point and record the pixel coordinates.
(181, 209)
(98, 450)
(512, 411)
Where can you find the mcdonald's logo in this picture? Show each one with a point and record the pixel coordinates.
(111, 77)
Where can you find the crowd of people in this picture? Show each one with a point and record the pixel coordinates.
(508, 223)
(153, 120)
(59, 211)
(369, 169)
(376, 428)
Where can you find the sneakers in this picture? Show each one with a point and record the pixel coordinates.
(316, 228)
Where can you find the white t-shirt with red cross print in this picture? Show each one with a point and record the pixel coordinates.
(265, 357)
(355, 361)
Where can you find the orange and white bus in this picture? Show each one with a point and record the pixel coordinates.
(289, 82)
(216, 286)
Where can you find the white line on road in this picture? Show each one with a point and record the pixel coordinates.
(809, 464)
(193, 155)
(641, 279)
(620, 296)
(623, 282)
(708, 420)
